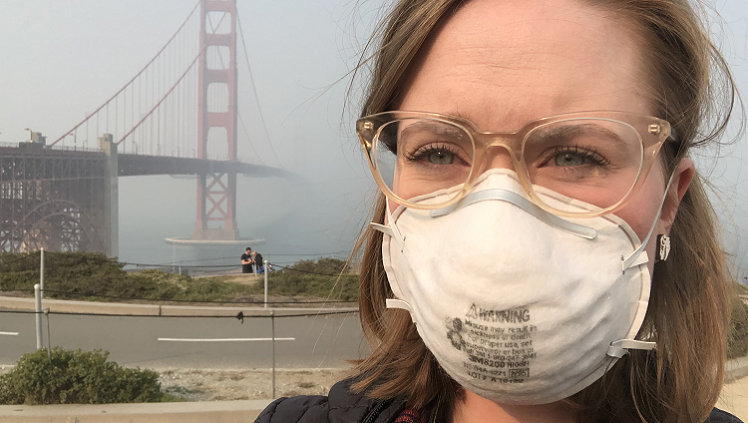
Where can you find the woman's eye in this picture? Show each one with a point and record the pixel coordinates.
(440, 157)
(436, 155)
(570, 159)
(576, 156)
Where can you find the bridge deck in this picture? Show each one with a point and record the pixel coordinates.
(136, 164)
(128, 164)
(61, 198)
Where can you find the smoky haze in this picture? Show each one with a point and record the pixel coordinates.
(61, 60)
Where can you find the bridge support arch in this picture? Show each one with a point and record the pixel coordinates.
(52, 199)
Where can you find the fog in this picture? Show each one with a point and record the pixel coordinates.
(60, 60)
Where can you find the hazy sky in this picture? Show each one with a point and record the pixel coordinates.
(62, 58)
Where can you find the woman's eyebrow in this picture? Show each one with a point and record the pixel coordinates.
(436, 127)
(457, 114)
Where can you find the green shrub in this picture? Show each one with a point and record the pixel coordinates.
(93, 276)
(77, 272)
(76, 377)
(63, 271)
(321, 278)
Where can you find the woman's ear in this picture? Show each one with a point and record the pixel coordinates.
(682, 177)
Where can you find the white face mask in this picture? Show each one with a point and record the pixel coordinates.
(517, 305)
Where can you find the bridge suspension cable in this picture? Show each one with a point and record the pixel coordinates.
(156, 111)
(254, 91)
(131, 81)
(150, 112)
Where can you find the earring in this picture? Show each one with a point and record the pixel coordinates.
(663, 248)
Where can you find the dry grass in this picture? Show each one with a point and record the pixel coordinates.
(225, 385)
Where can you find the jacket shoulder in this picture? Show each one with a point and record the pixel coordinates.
(301, 409)
(719, 416)
(341, 405)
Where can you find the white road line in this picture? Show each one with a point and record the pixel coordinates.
(224, 339)
(9, 333)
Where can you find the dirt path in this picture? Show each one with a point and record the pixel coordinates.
(218, 385)
(234, 276)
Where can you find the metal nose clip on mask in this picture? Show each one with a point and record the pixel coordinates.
(517, 305)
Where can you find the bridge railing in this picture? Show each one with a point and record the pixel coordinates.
(52, 147)
(74, 148)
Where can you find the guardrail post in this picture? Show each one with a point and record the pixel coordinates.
(41, 272)
(266, 283)
(272, 330)
(49, 336)
(38, 297)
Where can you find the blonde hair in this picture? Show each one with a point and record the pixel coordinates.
(690, 299)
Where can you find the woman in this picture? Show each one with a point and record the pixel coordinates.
(544, 249)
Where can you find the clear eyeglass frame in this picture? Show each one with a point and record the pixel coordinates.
(653, 133)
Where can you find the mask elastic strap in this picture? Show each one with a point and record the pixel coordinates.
(498, 194)
(390, 228)
(636, 258)
(620, 348)
(398, 303)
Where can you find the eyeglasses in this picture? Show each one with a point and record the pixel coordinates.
(601, 158)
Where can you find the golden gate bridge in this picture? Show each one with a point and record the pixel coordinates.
(177, 116)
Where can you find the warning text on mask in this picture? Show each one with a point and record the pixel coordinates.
(498, 343)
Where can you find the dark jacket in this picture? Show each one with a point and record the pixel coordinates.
(343, 406)
(340, 406)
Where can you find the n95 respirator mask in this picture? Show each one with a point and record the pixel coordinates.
(517, 305)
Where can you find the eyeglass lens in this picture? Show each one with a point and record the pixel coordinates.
(593, 160)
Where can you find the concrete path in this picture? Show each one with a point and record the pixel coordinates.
(734, 398)
(181, 412)
(174, 309)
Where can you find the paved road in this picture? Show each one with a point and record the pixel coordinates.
(324, 341)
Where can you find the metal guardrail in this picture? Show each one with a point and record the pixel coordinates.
(55, 148)
(74, 148)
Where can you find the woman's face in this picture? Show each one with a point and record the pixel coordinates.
(501, 64)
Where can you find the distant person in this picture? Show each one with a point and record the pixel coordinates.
(247, 261)
(259, 264)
